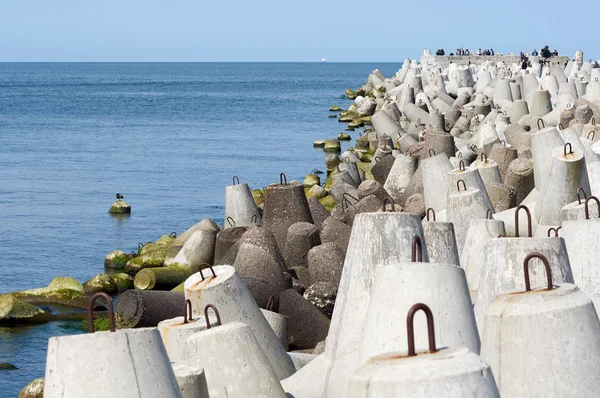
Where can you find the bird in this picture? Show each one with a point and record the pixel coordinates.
(119, 196)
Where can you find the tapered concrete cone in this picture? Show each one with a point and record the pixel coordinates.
(240, 208)
(441, 242)
(234, 364)
(435, 181)
(543, 143)
(174, 332)
(229, 293)
(400, 175)
(384, 124)
(199, 249)
(125, 363)
(540, 103)
(561, 338)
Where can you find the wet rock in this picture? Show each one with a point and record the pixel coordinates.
(15, 310)
(100, 283)
(325, 263)
(35, 389)
(328, 202)
(260, 272)
(336, 231)
(120, 207)
(415, 204)
(307, 325)
(116, 259)
(65, 282)
(64, 291)
(310, 180)
(301, 237)
(124, 281)
(7, 366)
(322, 295)
(335, 108)
(152, 254)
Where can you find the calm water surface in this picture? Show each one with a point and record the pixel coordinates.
(167, 136)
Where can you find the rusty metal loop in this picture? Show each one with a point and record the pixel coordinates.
(140, 245)
(346, 200)
(133, 253)
(593, 133)
(254, 219)
(570, 148)
(208, 325)
(579, 190)
(111, 315)
(458, 185)
(230, 221)
(432, 211)
(236, 178)
(502, 142)
(282, 179)
(473, 147)
(560, 126)
(542, 122)
(211, 270)
(587, 209)
(431, 150)
(461, 165)
(555, 231)
(417, 256)
(488, 214)
(187, 313)
(484, 157)
(529, 230)
(389, 200)
(411, 330)
(377, 159)
(593, 120)
(526, 269)
(173, 234)
(270, 303)
(459, 155)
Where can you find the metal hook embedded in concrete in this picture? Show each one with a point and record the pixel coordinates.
(254, 219)
(282, 179)
(587, 209)
(543, 125)
(502, 142)
(377, 159)
(389, 200)
(560, 126)
(458, 185)
(473, 147)
(593, 133)
(411, 331)
(346, 202)
(230, 221)
(461, 166)
(526, 269)
(593, 120)
(570, 149)
(187, 313)
(173, 234)
(579, 190)
(459, 155)
(211, 270)
(270, 303)
(488, 214)
(430, 151)
(432, 211)
(236, 178)
(208, 325)
(484, 157)
(417, 250)
(555, 231)
(111, 315)
(529, 229)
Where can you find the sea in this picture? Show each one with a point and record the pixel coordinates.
(167, 136)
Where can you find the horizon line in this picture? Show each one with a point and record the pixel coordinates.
(200, 62)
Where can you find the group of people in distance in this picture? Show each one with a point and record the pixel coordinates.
(460, 51)
(544, 53)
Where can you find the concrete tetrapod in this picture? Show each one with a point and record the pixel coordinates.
(543, 143)
(478, 235)
(464, 205)
(440, 239)
(285, 204)
(472, 178)
(191, 380)
(442, 287)
(445, 372)
(240, 208)
(146, 308)
(489, 171)
(199, 249)
(577, 210)
(174, 332)
(400, 175)
(123, 363)
(435, 181)
(229, 293)
(581, 240)
(561, 338)
(278, 322)
(567, 174)
(502, 261)
(234, 364)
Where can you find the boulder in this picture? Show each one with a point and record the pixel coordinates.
(307, 325)
(120, 207)
(322, 295)
(35, 389)
(124, 281)
(100, 283)
(15, 310)
(65, 282)
(116, 259)
(63, 291)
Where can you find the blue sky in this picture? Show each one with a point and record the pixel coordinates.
(266, 30)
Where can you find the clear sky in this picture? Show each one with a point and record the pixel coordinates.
(287, 30)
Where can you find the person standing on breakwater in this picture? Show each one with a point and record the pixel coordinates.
(534, 53)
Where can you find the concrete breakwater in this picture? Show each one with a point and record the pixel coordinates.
(467, 184)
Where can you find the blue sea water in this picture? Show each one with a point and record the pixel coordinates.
(168, 136)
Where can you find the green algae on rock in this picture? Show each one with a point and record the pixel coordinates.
(258, 196)
(351, 94)
(162, 278)
(319, 143)
(120, 207)
(310, 180)
(332, 146)
(348, 116)
(328, 202)
(7, 366)
(344, 137)
(335, 108)
(65, 282)
(63, 291)
(100, 283)
(116, 259)
(35, 389)
(13, 310)
(124, 281)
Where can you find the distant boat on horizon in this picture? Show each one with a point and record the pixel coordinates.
(323, 59)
